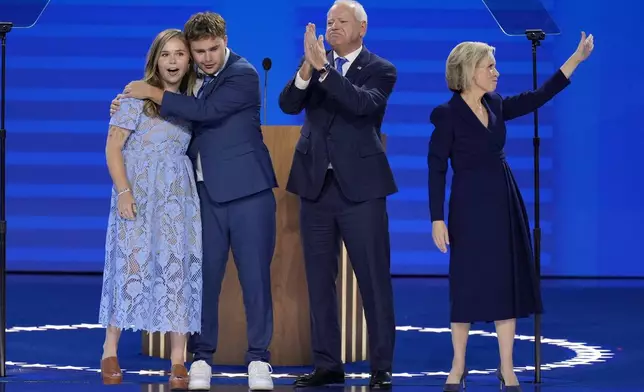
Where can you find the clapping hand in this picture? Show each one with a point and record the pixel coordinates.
(314, 52)
(585, 48)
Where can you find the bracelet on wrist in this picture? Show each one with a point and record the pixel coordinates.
(123, 191)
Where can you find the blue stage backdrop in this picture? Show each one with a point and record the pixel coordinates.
(63, 72)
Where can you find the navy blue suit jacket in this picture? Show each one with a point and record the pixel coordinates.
(226, 132)
(343, 119)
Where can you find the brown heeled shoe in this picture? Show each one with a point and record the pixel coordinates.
(179, 378)
(110, 371)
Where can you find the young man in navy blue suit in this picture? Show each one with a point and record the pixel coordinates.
(342, 175)
(235, 178)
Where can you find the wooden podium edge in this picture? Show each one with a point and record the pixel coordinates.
(353, 324)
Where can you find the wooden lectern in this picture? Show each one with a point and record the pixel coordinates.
(291, 344)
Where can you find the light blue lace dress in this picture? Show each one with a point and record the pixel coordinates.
(153, 265)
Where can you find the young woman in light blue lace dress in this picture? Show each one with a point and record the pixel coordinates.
(153, 261)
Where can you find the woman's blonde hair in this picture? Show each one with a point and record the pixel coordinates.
(461, 62)
(152, 75)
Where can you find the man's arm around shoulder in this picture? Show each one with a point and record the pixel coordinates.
(236, 92)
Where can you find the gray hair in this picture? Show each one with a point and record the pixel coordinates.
(461, 62)
(358, 9)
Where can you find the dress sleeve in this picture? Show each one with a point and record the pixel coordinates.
(440, 148)
(128, 114)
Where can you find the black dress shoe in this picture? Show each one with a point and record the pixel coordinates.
(380, 379)
(320, 377)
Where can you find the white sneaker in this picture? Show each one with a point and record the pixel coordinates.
(259, 376)
(200, 376)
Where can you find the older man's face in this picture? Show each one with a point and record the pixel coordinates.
(342, 27)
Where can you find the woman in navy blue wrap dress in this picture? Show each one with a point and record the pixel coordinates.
(491, 272)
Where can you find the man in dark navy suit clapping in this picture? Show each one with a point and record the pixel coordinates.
(342, 175)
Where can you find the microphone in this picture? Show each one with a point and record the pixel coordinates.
(266, 64)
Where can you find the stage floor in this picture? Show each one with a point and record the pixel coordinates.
(593, 340)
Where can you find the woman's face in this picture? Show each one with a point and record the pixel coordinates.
(174, 61)
(486, 75)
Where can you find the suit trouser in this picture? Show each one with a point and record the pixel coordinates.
(247, 226)
(364, 228)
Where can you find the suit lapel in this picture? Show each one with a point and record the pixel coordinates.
(498, 132)
(329, 58)
(213, 84)
(466, 113)
(353, 71)
(494, 135)
(360, 62)
(491, 122)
